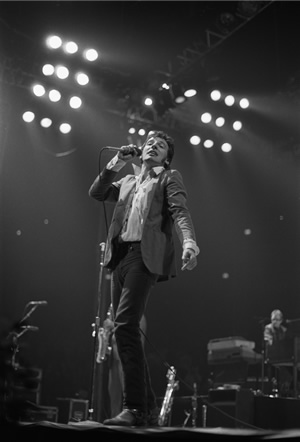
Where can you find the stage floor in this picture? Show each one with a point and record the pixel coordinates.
(89, 430)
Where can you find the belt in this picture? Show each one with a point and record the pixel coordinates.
(128, 244)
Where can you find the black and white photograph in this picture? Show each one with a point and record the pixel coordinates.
(150, 219)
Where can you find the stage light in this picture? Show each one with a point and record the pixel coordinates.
(82, 79)
(38, 90)
(90, 54)
(54, 95)
(141, 132)
(215, 95)
(163, 100)
(48, 69)
(62, 72)
(237, 125)
(220, 121)
(229, 100)
(131, 130)
(225, 22)
(226, 147)
(54, 42)
(190, 93)
(195, 140)
(46, 122)
(65, 128)
(28, 116)
(244, 103)
(178, 93)
(206, 117)
(248, 8)
(75, 102)
(148, 101)
(71, 47)
(208, 144)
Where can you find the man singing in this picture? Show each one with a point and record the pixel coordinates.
(140, 252)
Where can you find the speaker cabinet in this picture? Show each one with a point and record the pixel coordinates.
(26, 385)
(230, 408)
(229, 373)
(272, 413)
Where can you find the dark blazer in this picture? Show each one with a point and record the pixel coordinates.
(166, 208)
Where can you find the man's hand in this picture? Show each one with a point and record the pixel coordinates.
(189, 259)
(127, 152)
(108, 324)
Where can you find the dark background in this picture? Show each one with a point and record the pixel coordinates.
(45, 181)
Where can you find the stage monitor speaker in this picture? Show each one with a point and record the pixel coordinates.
(230, 408)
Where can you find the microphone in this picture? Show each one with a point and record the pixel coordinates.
(29, 327)
(102, 250)
(290, 321)
(127, 150)
(37, 303)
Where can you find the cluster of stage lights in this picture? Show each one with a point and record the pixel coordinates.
(61, 72)
(178, 94)
(207, 118)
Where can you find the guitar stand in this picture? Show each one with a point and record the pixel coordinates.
(264, 364)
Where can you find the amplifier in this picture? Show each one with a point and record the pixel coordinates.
(72, 410)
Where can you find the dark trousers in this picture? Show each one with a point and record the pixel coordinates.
(131, 283)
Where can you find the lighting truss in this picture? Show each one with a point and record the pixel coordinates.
(212, 39)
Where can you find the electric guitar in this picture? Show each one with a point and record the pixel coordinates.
(172, 385)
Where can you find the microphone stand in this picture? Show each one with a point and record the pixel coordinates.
(263, 354)
(21, 329)
(12, 342)
(96, 327)
(263, 361)
(29, 313)
(194, 406)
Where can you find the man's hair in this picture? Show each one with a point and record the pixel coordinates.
(169, 140)
(277, 312)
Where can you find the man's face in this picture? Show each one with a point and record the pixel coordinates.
(276, 320)
(155, 151)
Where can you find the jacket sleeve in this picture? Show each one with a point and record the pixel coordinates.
(177, 206)
(104, 188)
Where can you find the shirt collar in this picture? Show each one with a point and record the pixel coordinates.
(156, 170)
